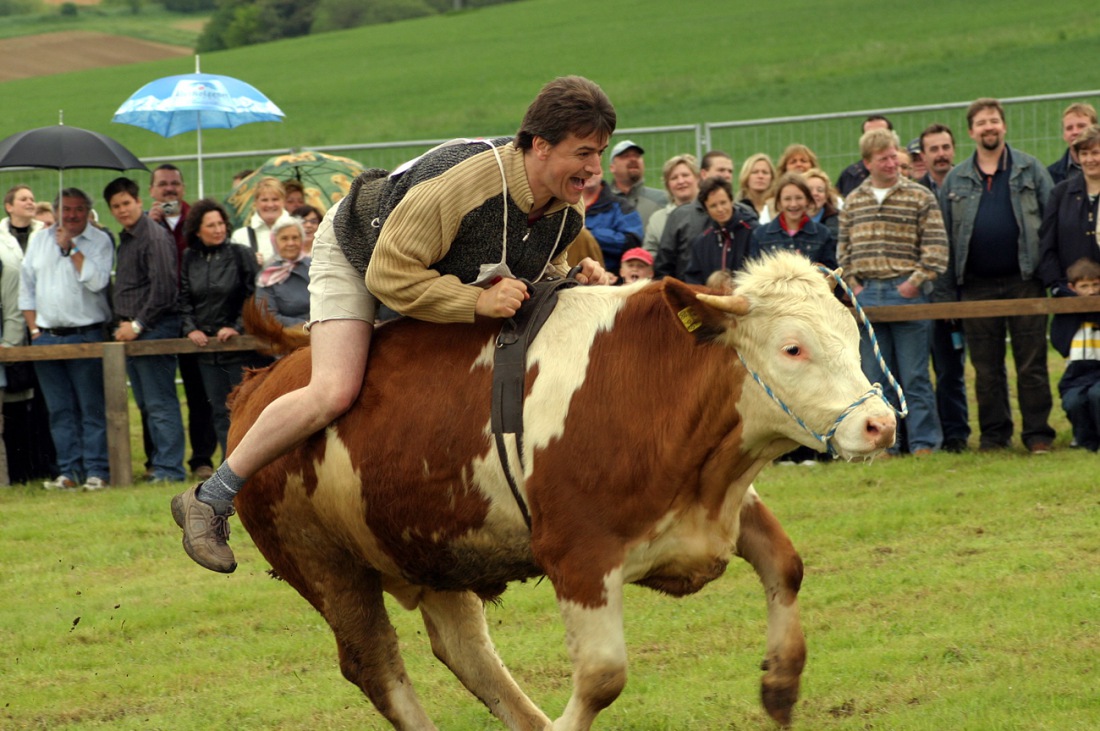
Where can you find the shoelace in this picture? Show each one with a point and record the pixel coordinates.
(220, 526)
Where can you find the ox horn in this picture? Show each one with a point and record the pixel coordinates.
(735, 304)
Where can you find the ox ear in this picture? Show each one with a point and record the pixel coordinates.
(703, 315)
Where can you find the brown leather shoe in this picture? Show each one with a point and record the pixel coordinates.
(205, 530)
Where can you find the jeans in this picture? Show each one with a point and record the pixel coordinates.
(73, 390)
(1082, 406)
(905, 347)
(153, 379)
(949, 364)
(985, 337)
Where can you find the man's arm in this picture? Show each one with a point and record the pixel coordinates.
(93, 258)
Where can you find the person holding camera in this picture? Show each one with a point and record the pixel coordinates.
(170, 210)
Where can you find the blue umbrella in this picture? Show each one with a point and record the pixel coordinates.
(177, 104)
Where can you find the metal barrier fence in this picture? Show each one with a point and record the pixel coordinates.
(1034, 126)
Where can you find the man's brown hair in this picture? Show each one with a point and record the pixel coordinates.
(982, 104)
(567, 105)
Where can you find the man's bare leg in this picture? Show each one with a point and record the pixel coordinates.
(338, 362)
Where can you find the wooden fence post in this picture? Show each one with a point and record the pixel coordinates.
(118, 413)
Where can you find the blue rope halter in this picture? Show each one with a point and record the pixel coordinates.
(875, 390)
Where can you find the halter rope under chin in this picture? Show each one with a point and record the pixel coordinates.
(875, 390)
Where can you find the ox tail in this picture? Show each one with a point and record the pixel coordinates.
(280, 340)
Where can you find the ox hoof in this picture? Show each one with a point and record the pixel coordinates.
(779, 700)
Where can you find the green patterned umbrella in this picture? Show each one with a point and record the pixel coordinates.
(326, 179)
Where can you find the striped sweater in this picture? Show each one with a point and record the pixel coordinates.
(438, 221)
(902, 236)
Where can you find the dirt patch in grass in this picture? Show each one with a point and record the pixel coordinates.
(55, 53)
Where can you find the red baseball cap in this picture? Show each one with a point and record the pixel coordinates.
(638, 253)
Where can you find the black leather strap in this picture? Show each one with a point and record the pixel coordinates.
(510, 372)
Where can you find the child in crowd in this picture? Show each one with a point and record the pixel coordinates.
(1080, 384)
(637, 263)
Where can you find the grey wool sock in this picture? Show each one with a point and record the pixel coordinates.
(222, 486)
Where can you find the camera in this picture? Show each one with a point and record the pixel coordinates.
(170, 208)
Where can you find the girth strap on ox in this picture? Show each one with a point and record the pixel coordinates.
(510, 371)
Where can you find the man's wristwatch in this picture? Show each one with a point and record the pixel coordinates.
(35, 331)
(136, 327)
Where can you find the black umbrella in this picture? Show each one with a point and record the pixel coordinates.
(60, 147)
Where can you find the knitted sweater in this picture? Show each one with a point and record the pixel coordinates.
(422, 234)
(902, 236)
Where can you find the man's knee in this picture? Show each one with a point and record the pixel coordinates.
(333, 399)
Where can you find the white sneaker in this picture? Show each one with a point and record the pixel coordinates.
(61, 483)
(95, 483)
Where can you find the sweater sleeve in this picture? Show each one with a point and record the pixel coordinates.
(417, 234)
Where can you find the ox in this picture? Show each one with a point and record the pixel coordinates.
(405, 494)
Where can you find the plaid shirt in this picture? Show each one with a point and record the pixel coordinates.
(902, 236)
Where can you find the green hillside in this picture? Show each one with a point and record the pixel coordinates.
(662, 63)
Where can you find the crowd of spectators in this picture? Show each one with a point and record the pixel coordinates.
(905, 223)
(175, 272)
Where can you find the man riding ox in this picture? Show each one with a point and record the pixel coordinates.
(406, 494)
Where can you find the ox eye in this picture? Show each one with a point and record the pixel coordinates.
(792, 350)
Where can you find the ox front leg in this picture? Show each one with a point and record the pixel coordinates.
(764, 544)
(370, 657)
(597, 646)
(460, 639)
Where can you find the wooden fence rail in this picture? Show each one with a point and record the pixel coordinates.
(114, 355)
(114, 381)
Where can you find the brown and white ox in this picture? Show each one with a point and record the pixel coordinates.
(405, 493)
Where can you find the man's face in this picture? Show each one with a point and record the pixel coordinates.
(74, 215)
(1086, 287)
(883, 167)
(917, 168)
(564, 168)
(126, 209)
(987, 129)
(1073, 125)
(721, 167)
(905, 164)
(939, 152)
(167, 186)
(629, 167)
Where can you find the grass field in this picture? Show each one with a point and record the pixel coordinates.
(688, 62)
(954, 591)
(950, 592)
(153, 23)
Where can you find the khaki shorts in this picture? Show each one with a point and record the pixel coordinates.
(336, 290)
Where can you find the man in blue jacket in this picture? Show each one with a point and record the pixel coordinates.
(615, 224)
(993, 206)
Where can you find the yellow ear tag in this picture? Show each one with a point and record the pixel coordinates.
(690, 319)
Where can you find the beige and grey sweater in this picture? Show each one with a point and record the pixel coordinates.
(421, 236)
